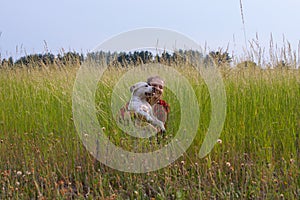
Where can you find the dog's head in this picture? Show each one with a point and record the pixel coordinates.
(142, 89)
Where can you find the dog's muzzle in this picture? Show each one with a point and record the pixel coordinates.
(154, 90)
(151, 93)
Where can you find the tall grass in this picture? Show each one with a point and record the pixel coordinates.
(257, 156)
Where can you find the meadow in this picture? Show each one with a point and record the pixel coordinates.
(257, 155)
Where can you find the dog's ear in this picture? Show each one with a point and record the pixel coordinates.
(132, 88)
(136, 86)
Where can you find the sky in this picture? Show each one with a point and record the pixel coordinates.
(28, 27)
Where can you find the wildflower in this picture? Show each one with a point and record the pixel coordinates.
(228, 164)
(19, 173)
(219, 141)
(61, 182)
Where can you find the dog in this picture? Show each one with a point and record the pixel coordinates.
(139, 105)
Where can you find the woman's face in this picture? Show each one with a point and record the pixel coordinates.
(159, 87)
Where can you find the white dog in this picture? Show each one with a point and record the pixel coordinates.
(138, 103)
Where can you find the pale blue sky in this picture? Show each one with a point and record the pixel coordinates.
(81, 25)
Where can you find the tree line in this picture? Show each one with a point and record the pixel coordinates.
(120, 59)
(39, 60)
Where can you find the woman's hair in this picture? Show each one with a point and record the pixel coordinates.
(149, 80)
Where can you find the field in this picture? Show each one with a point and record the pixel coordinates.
(257, 155)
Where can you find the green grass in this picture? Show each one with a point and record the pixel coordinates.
(41, 154)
